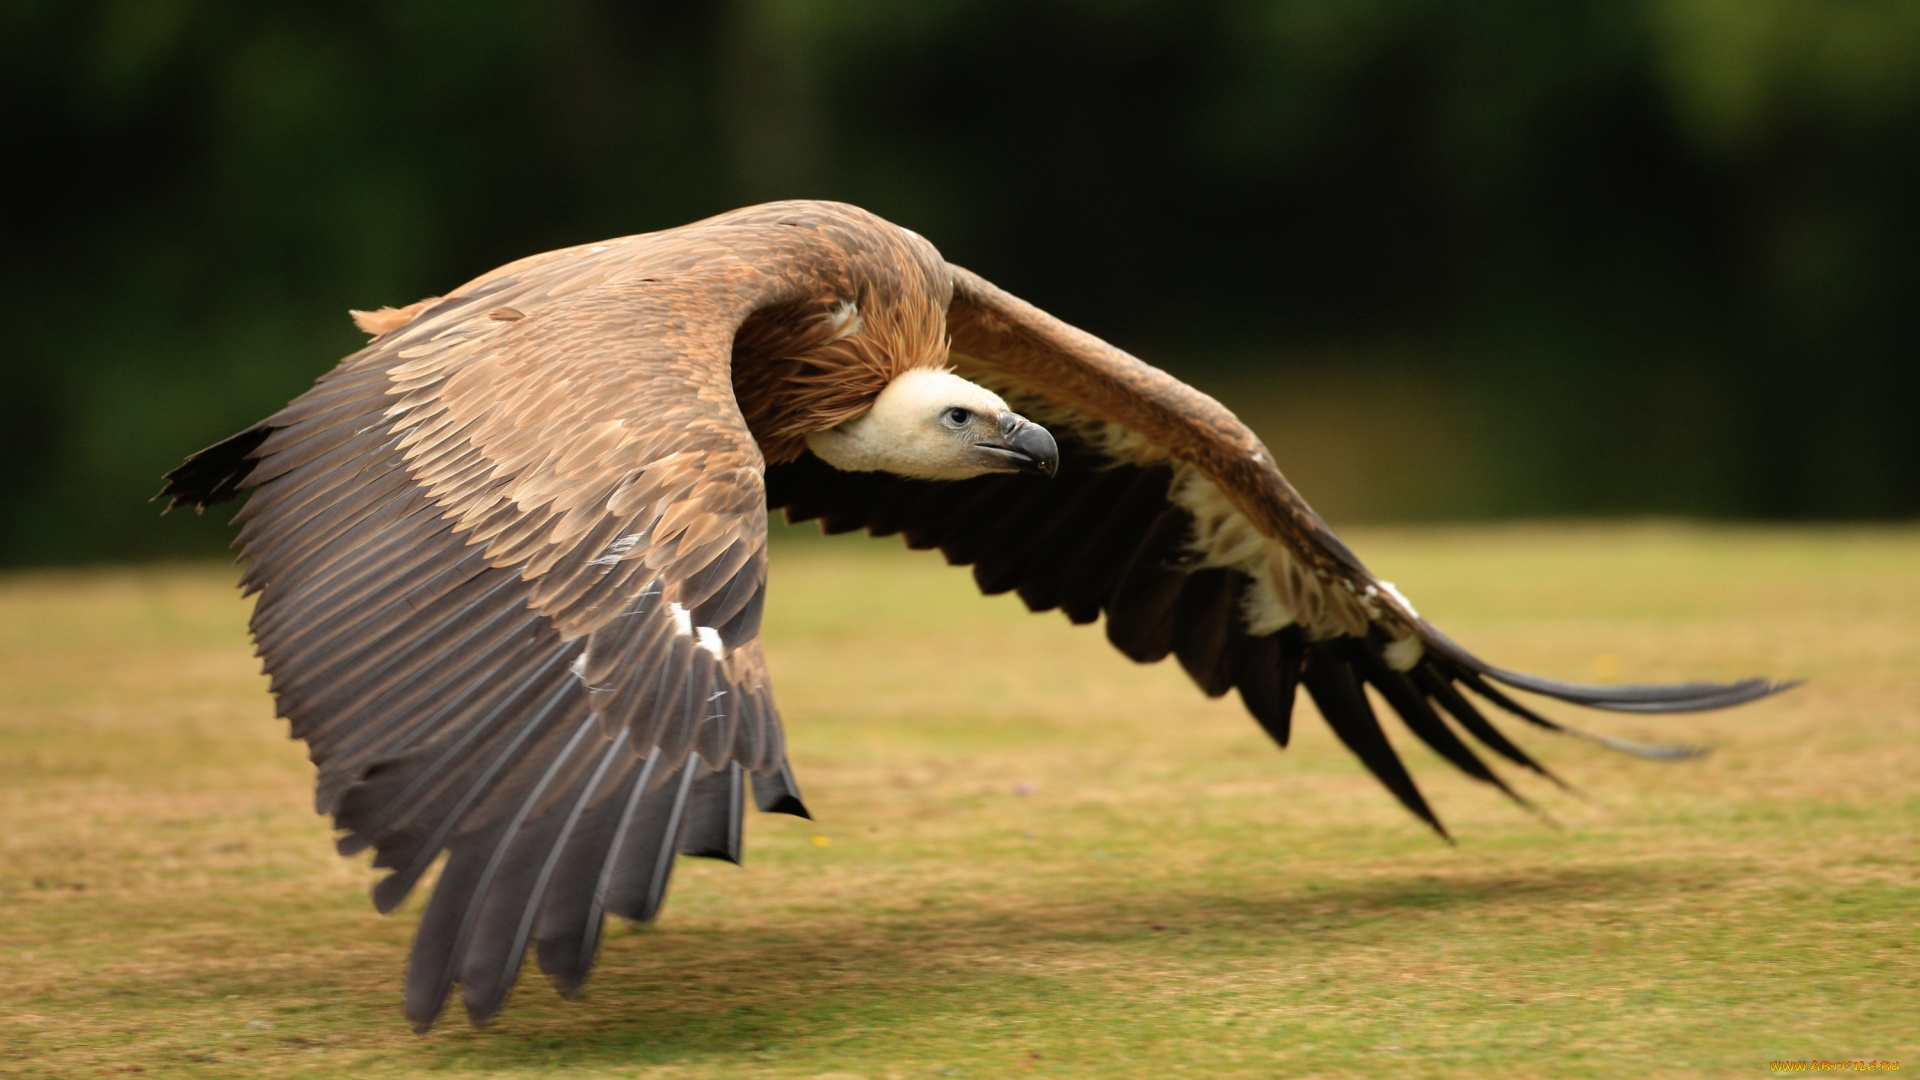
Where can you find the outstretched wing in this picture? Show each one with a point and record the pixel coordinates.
(1169, 518)
(511, 559)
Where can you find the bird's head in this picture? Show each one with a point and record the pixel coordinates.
(930, 424)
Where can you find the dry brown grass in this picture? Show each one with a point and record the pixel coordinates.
(1172, 896)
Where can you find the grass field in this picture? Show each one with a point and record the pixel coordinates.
(1032, 858)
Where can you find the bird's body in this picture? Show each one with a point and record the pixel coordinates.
(511, 556)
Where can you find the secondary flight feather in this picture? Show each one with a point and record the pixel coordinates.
(511, 557)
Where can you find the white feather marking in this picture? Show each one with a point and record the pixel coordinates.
(1403, 653)
(652, 590)
(710, 641)
(579, 670)
(617, 550)
(682, 621)
(846, 320)
(1387, 587)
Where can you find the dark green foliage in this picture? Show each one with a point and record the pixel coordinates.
(1666, 247)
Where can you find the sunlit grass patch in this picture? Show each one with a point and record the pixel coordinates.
(1039, 859)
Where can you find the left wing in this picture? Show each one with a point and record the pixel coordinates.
(1169, 518)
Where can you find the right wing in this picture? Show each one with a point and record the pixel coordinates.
(511, 559)
(1169, 518)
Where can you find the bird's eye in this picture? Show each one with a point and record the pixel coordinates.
(958, 417)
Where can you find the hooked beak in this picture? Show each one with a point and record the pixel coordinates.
(1024, 446)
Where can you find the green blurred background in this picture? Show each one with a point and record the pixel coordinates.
(1513, 257)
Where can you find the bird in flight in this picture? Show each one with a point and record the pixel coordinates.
(511, 557)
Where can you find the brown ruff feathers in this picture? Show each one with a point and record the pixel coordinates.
(813, 365)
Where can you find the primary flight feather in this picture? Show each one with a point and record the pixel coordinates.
(511, 556)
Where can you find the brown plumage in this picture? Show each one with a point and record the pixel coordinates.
(511, 558)
(803, 367)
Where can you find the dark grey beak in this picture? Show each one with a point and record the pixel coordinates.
(1025, 446)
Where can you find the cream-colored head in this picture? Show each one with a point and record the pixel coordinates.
(930, 424)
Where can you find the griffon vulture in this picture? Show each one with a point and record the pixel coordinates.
(511, 556)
